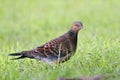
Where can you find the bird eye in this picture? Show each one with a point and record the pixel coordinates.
(77, 25)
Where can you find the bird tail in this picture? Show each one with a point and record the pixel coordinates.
(16, 54)
(24, 54)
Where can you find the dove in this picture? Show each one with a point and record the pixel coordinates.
(57, 50)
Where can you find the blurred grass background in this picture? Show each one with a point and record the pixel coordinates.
(25, 24)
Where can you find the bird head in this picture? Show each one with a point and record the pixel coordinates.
(76, 26)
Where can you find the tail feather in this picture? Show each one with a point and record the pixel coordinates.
(24, 54)
(15, 54)
(21, 57)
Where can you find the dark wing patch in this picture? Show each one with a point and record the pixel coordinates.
(59, 47)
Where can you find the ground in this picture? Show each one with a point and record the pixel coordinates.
(26, 24)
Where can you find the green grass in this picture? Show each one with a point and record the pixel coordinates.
(26, 24)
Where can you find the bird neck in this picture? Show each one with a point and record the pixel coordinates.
(71, 32)
(73, 38)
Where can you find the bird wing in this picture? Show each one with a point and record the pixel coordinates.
(56, 48)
